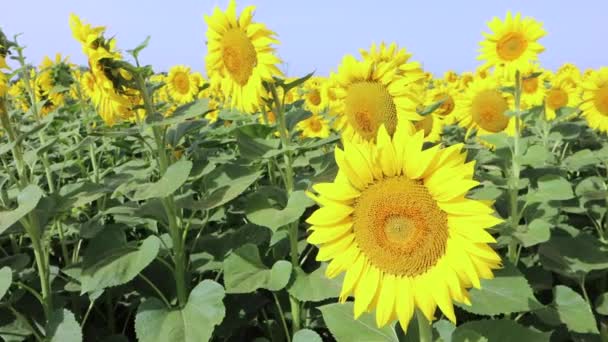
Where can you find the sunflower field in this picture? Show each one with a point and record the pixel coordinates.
(377, 203)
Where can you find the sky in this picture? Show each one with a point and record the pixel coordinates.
(314, 34)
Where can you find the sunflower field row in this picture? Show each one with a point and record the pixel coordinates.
(377, 203)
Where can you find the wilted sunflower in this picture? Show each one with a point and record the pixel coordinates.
(483, 108)
(397, 221)
(371, 94)
(513, 43)
(181, 85)
(315, 126)
(595, 100)
(240, 56)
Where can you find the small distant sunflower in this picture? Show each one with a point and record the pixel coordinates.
(315, 97)
(450, 76)
(595, 100)
(449, 94)
(371, 94)
(432, 126)
(397, 220)
(181, 86)
(240, 56)
(315, 126)
(483, 108)
(561, 94)
(513, 43)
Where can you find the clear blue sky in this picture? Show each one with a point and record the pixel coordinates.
(315, 34)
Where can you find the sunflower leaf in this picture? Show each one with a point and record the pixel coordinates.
(344, 327)
(499, 330)
(574, 311)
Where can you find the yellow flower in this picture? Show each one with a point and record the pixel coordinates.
(561, 94)
(483, 108)
(449, 94)
(181, 85)
(411, 71)
(512, 43)
(397, 221)
(371, 94)
(315, 97)
(240, 56)
(595, 100)
(3, 84)
(314, 127)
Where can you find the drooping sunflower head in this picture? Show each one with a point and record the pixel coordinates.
(181, 85)
(398, 222)
(483, 108)
(240, 56)
(512, 43)
(595, 100)
(371, 94)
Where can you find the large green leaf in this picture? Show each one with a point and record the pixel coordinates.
(499, 330)
(6, 278)
(27, 200)
(244, 271)
(573, 256)
(537, 231)
(314, 286)
(63, 327)
(508, 292)
(261, 211)
(155, 322)
(573, 311)
(225, 184)
(110, 261)
(196, 109)
(306, 335)
(344, 327)
(175, 176)
(601, 304)
(552, 188)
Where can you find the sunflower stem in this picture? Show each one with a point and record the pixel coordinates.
(515, 171)
(289, 185)
(425, 333)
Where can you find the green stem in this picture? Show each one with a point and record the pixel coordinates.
(283, 321)
(64, 247)
(425, 333)
(515, 172)
(43, 269)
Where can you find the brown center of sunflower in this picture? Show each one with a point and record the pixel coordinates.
(511, 46)
(315, 125)
(314, 97)
(425, 125)
(529, 85)
(181, 81)
(556, 98)
(399, 227)
(368, 105)
(488, 109)
(238, 54)
(447, 106)
(601, 100)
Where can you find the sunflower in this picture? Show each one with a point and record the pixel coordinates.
(3, 84)
(397, 221)
(240, 56)
(595, 100)
(561, 94)
(449, 93)
(533, 89)
(411, 71)
(483, 108)
(315, 97)
(314, 127)
(512, 43)
(181, 86)
(371, 94)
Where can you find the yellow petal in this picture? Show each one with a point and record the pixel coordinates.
(441, 294)
(405, 302)
(422, 296)
(331, 250)
(336, 191)
(366, 290)
(386, 302)
(329, 215)
(353, 274)
(324, 234)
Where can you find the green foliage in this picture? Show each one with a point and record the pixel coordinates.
(342, 325)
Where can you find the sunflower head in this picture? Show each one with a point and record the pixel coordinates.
(315, 126)
(595, 100)
(512, 43)
(562, 93)
(240, 56)
(398, 222)
(181, 85)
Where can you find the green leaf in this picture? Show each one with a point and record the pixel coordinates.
(226, 183)
(306, 335)
(344, 327)
(445, 329)
(566, 131)
(295, 83)
(537, 231)
(135, 52)
(294, 116)
(261, 212)
(27, 200)
(573, 256)
(574, 311)
(431, 108)
(500, 140)
(537, 156)
(63, 327)
(498, 330)
(196, 109)
(255, 148)
(592, 188)
(244, 272)
(580, 159)
(552, 188)
(175, 176)
(110, 261)
(314, 286)
(6, 278)
(601, 304)
(204, 310)
(508, 292)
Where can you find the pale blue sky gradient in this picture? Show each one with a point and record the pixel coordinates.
(315, 34)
